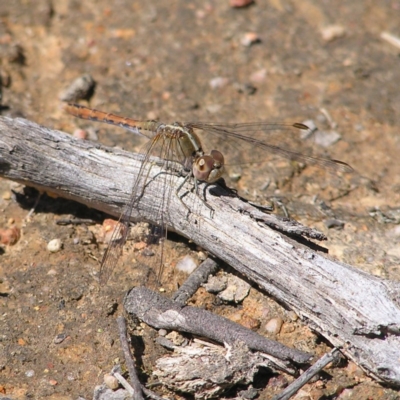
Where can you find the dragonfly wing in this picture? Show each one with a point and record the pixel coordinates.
(278, 139)
(168, 154)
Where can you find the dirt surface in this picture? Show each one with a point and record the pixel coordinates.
(186, 61)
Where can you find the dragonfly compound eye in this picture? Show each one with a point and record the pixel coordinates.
(209, 168)
(218, 158)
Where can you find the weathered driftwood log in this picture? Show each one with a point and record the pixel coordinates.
(355, 311)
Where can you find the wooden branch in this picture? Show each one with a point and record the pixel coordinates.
(162, 313)
(357, 312)
(130, 364)
(317, 367)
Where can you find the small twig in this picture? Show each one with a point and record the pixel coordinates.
(199, 276)
(129, 359)
(75, 221)
(332, 123)
(304, 378)
(163, 313)
(32, 210)
(126, 385)
(393, 40)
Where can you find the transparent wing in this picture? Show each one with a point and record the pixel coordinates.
(166, 150)
(121, 231)
(267, 137)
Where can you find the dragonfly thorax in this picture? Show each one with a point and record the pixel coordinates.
(180, 140)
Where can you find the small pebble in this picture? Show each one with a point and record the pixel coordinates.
(293, 316)
(332, 32)
(70, 376)
(80, 134)
(250, 38)
(214, 108)
(250, 393)
(288, 328)
(166, 95)
(60, 338)
(186, 264)
(278, 382)
(152, 115)
(258, 76)
(274, 325)
(249, 322)
(235, 176)
(111, 381)
(92, 134)
(240, 3)
(10, 236)
(246, 88)
(6, 195)
(81, 88)
(164, 342)
(218, 82)
(215, 284)
(109, 227)
(176, 338)
(395, 231)
(52, 272)
(147, 252)
(30, 373)
(237, 290)
(54, 245)
(138, 246)
(326, 138)
(334, 223)
(312, 128)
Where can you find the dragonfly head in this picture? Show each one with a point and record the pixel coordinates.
(210, 167)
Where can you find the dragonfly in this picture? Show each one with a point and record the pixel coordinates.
(179, 142)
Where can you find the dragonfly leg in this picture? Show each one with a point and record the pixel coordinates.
(203, 198)
(195, 188)
(181, 196)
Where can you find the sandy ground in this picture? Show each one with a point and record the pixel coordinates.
(276, 61)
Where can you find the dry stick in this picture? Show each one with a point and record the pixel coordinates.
(129, 359)
(162, 313)
(193, 282)
(137, 387)
(355, 311)
(125, 384)
(296, 385)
